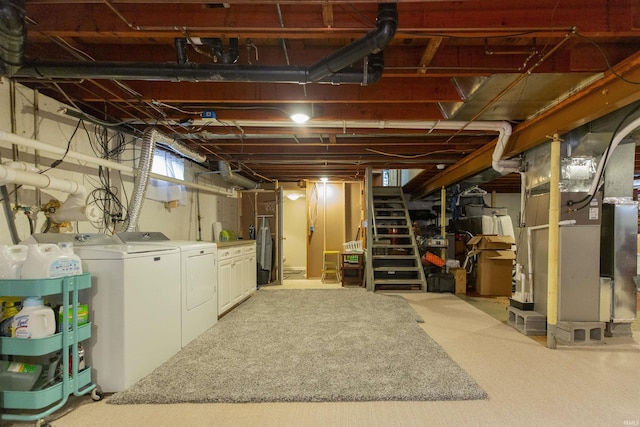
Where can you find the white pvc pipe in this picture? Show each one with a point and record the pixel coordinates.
(503, 128)
(498, 126)
(499, 165)
(51, 149)
(9, 175)
(523, 194)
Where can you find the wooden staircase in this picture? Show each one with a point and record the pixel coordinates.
(395, 258)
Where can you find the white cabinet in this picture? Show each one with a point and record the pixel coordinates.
(236, 274)
(249, 269)
(224, 283)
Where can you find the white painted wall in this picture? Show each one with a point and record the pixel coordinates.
(295, 234)
(53, 128)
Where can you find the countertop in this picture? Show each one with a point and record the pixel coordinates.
(230, 243)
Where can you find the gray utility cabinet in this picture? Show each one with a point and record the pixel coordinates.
(618, 259)
(579, 258)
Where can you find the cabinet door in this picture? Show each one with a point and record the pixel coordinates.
(250, 273)
(237, 277)
(225, 284)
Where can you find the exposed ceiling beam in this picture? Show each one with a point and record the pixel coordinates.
(327, 15)
(429, 54)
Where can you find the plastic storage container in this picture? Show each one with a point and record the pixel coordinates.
(11, 260)
(47, 261)
(35, 320)
(17, 376)
(8, 311)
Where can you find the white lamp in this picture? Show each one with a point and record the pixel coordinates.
(294, 196)
(300, 118)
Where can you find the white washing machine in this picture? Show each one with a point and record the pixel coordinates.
(133, 306)
(199, 280)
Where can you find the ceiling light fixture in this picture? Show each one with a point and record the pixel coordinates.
(324, 179)
(300, 118)
(294, 196)
(302, 113)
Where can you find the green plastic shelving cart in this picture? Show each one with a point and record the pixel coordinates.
(78, 382)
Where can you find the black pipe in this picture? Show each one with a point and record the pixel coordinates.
(13, 34)
(8, 213)
(230, 57)
(181, 50)
(328, 70)
(372, 43)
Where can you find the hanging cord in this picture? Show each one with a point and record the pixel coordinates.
(313, 207)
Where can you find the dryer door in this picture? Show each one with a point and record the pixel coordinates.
(201, 278)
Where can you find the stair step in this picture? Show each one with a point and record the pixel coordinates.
(403, 269)
(386, 190)
(388, 199)
(394, 257)
(397, 281)
(383, 245)
(396, 268)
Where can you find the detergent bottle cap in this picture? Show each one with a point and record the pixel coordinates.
(32, 302)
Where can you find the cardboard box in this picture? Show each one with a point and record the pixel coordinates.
(460, 274)
(494, 272)
(490, 241)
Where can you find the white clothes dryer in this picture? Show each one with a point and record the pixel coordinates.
(199, 280)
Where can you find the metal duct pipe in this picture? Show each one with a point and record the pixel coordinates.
(232, 178)
(13, 33)
(622, 134)
(144, 169)
(176, 147)
(327, 70)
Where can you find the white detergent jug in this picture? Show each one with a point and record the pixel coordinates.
(75, 263)
(35, 320)
(47, 261)
(11, 260)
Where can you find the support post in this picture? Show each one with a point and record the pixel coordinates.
(443, 220)
(552, 263)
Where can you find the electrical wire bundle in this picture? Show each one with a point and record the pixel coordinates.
(106, 196)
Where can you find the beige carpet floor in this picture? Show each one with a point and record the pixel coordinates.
(527, 384)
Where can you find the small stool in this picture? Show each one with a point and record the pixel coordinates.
(331, 264)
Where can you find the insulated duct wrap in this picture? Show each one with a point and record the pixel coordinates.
(144, 169)
(176, 147)
(232, 178)
(13, 34)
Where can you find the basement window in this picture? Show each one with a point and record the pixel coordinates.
(386, 178)
(172, 166)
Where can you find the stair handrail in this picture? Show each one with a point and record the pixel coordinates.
(373, 217)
